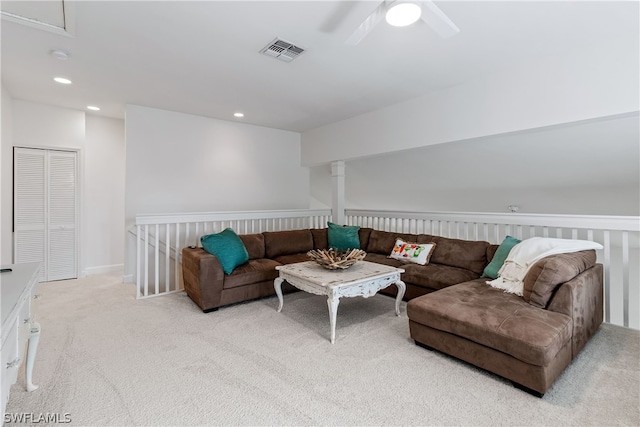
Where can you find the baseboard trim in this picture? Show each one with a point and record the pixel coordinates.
(127, 278)
(103, 269)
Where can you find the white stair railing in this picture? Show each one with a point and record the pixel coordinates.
(161, 238)
(619, 235)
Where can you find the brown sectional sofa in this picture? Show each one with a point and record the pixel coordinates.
(529, 340)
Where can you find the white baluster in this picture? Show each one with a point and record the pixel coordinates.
(176, 265)
(157, 260)
(138, 265)
(607, 275)
(625, 277)
(167, 261)
(146, 260)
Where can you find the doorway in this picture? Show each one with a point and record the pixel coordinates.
(45, 211)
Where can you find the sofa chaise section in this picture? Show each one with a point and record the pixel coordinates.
(527, 343)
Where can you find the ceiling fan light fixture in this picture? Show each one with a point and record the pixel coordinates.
(402, 14)
(62, 80)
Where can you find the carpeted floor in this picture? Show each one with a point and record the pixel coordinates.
(107, 359)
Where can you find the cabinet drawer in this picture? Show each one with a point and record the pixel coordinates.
(10, 362)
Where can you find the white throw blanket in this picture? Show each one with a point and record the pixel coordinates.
(523, 255)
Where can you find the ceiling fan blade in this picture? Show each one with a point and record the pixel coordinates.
(372, 20)
(437, 20)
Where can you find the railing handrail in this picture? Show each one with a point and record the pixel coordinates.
(609, 222)
(181, 218)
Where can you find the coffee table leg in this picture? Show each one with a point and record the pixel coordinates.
(401, 290)
(333, 302)
(277, 284)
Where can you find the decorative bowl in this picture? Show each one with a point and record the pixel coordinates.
(333, 260)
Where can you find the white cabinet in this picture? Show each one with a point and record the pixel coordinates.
(18, 327)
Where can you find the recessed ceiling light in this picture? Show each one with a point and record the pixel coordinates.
(62, 80)
(238, 114)
(403, 14)
(93, 108)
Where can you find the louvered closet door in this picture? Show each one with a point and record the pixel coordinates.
(62, 216)
(46, 211)
(29, 215)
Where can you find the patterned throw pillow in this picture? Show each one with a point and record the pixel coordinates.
(418, 253)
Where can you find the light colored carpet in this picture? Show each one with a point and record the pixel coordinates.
(107, 359)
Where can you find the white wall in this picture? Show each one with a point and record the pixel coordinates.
(601, 81)
(592, 169)
(183, 163)
(103, 239)
(555, 136)
(6, 179)
(46, 126)
(28, 124)
(100, 145)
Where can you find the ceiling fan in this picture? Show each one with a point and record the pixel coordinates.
(401, 13)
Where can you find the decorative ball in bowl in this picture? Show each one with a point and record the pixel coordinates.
(333, 260)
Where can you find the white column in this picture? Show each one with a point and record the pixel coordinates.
(337, 191)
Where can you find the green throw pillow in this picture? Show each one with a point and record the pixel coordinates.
(502, 253)
(227, 247)
(343, 237)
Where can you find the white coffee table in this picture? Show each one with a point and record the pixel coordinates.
(363, 279)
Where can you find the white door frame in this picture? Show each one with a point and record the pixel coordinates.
(79, 199)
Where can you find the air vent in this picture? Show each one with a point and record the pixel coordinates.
(282, 50)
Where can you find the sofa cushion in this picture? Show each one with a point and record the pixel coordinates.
(381, 242)
(343, 237)
(292, 258)
(547, 274)
(320, 240)
(364, 234)
(495, 319)
(254, 243)
(384, 259)
(424, 238)
(467, 254)
(491, 270)
(491, 252)
(436, 276)
(254, 271)
(288, 242)
(227, 247)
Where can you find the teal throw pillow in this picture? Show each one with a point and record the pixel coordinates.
(501, 255)
(343, 237)
(227, 247)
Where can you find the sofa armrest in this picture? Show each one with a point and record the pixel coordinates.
(203, 277)
(581, 299)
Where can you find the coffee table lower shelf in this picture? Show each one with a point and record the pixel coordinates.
(363, 279)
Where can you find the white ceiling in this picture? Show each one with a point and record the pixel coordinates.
(202, 57)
